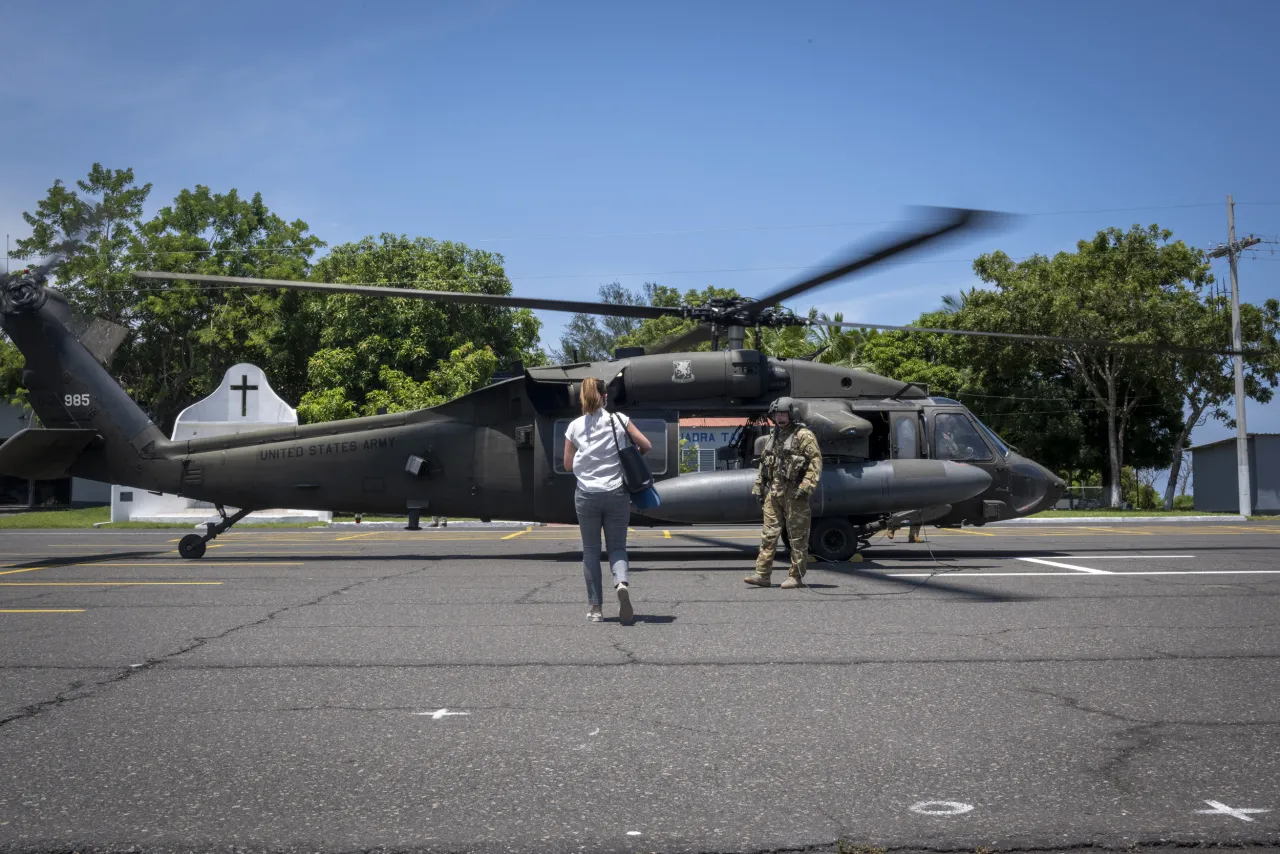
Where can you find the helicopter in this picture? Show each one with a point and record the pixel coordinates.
(893, 454)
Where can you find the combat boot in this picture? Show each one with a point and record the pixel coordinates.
(758, 580)
(791, 583)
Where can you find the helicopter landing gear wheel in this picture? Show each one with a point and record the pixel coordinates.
(833, 539)
(191, 547)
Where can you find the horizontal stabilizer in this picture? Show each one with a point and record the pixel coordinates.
(44, 454)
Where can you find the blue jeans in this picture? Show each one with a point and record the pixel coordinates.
(612, 511)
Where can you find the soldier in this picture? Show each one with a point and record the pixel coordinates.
(789, 470)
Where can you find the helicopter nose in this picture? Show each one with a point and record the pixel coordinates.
(1033, 486)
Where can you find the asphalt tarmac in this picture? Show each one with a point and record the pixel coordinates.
(347, 690)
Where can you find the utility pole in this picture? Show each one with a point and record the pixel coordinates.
(1232, 250)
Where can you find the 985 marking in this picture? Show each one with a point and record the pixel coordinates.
(76, 400)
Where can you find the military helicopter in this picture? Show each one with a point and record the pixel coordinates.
(893, 454)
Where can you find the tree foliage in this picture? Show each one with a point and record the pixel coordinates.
(341, 356)
(593, 337)
(1120, 286)
(373, 349)
(95, 276)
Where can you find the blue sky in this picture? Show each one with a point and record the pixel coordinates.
(688, 143)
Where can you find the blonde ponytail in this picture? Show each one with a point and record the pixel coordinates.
(592, 395)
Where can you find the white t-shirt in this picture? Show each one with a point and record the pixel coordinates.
(595, 461)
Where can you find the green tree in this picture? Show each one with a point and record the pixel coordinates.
(94, 233)
(653, 331)
(839, 345)
(595, 337)
(11, 362)
(183, 336)
(466, 369)
(954, 303)
(187, 334)
(1121, 286)
(361, 337)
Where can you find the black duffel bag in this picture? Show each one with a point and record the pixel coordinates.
(636, 476)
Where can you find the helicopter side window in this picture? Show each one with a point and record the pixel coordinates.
(880, 442)
(906, 446)
(654, 429)
(954, 438)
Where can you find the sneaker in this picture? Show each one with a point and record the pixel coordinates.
(791, 583)
(595, 617)
(758, 580)
(624, 604)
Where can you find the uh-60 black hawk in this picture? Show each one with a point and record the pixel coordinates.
(496, 452)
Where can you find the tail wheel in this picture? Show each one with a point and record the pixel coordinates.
(833, 539)
(191, 547)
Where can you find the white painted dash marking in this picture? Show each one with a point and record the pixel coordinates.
(440, 713)
(1073, 575)
(1127, 557)
(595, 731)
(1060, 565)
(633, 833)
(941, 808)
(1235, 812)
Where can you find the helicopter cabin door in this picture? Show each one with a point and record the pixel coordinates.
(904, 435)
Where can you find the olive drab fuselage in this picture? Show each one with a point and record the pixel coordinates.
(495, 453)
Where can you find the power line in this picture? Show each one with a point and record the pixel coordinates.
(730, 229)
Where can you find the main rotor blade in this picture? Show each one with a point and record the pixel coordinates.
(1048, 339)
(642, 311)
(682, 341)
(955, 219)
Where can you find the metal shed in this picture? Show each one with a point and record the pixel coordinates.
(1214, 479)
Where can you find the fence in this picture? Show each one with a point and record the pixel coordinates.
(697, 459)
(1082, 498)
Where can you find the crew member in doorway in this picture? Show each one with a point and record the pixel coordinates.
(789, 471)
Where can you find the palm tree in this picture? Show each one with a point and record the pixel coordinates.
(955, 303)
(841, 346)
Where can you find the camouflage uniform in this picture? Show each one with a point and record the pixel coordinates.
(789, 471)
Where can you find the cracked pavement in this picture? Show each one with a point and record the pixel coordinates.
(290, 706)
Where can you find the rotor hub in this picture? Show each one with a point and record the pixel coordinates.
(22, 294)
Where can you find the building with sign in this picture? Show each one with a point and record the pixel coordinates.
(702, 437)
(243, 401)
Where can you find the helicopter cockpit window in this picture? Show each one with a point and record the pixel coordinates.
(1001, 448)
(654, 429)
(955, 438)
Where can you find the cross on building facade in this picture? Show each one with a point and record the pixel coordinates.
(244, 388)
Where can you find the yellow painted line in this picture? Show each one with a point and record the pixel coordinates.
(358, 536)
(195, 563)
(963, 531)
(42, 610)
(16, 571)
(108, 583)
(518, 533)
(666, 535)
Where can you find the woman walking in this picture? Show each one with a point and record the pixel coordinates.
(591, 452)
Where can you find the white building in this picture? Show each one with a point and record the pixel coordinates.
(243, 401)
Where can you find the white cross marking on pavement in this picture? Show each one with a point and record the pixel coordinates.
(1235, 812)
(440, 713)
